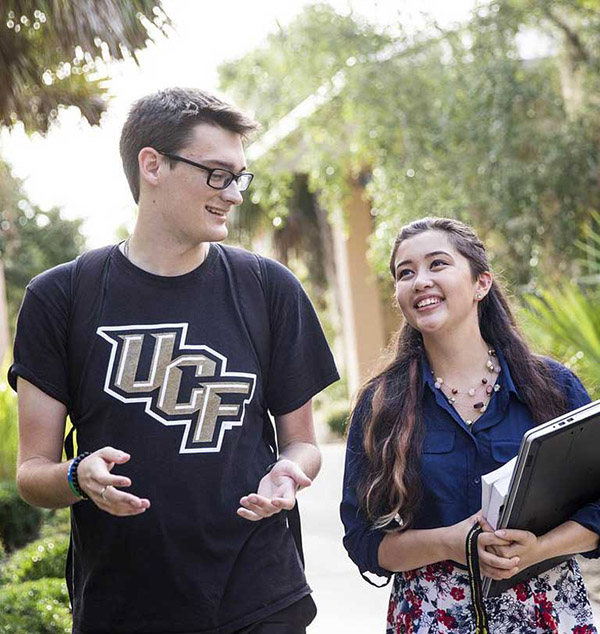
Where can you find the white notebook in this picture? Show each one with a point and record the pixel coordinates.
(494, 489)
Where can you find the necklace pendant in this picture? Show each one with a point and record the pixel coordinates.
(480, 405)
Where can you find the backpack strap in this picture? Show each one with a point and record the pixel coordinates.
(89, 271)
(251, 279)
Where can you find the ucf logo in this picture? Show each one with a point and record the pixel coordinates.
(179, 383)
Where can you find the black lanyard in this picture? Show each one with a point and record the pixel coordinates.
(481, 622)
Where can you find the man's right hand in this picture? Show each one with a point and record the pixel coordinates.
(100, 485)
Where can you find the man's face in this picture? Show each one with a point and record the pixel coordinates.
(193, 211)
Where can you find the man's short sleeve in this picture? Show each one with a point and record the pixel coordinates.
(301, 363)
(40, 352)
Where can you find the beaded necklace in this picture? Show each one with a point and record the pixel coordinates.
(486, 383)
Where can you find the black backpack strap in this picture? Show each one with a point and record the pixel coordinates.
(69, 443)
(293, 518)
(252, 281)
(90, 271)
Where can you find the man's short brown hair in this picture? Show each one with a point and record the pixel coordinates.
(165, 120)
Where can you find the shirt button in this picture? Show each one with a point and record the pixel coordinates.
(477, 480)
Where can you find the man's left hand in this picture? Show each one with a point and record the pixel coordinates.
(276, 491)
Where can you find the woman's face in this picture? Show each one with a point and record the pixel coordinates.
(435, 288)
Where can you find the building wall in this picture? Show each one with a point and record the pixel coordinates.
(362, 311)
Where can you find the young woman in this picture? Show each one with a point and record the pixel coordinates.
(451, 405)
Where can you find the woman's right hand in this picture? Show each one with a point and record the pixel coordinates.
(490, 564)
(99, 484)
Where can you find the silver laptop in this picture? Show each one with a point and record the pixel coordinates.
(557, 472)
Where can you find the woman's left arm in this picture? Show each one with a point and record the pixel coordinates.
(570, 538)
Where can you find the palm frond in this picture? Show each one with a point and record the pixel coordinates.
(49, 51)
(89, 23)
(591, 247)
(566, 322)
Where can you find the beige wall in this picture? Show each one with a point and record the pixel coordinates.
(362, 313)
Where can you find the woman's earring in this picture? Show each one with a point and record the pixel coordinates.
(479, 295)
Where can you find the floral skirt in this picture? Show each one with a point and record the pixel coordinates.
(436, 599)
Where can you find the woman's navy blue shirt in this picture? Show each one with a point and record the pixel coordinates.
(454, 459)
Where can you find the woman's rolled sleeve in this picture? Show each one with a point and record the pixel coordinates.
(361, 539)
(589, 517)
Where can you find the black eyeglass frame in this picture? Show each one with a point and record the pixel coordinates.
(211, 170)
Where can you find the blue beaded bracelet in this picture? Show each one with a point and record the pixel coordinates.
(72, 476)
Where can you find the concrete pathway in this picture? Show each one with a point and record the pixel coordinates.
(342, 596)
(344, 599)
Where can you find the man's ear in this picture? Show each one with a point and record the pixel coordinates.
(149, 161)
(483, 284)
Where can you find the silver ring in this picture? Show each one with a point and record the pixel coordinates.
(103, 492)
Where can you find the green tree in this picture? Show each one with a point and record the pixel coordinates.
(296, 63)
(563, 320)
(31, 240)
(439, 123)
(52, 54)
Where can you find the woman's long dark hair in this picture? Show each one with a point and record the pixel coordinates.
(393, 431)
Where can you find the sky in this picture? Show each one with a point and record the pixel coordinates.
(77, 167)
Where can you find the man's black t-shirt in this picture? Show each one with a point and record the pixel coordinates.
(168, 369)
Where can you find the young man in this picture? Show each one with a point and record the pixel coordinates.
(167, 352)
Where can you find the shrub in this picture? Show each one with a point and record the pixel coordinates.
(43, 558)
(8, 430)
(56, 522)
(35, 607)
(19, 522)
(331, 408)
(337, 419)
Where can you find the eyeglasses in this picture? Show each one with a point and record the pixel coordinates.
(218, 178)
